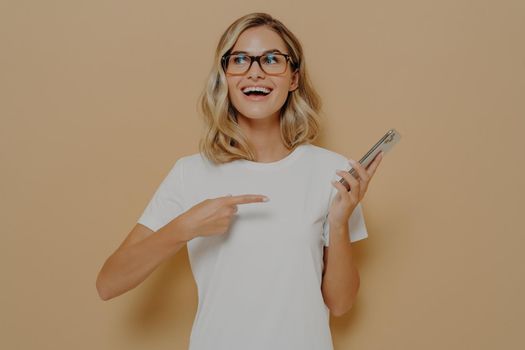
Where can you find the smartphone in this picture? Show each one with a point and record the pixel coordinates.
(384, 145)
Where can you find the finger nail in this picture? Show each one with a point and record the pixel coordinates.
(265, 199)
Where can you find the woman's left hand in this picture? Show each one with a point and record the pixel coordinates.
(345, 201)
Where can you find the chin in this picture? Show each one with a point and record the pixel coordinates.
(254, 111)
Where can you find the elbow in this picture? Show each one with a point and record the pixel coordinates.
(343, 307)
(342, 303)
(102, 289)
(340, 311)
(101, 292)
(102, 295)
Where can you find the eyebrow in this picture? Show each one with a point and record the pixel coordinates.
(267, 51)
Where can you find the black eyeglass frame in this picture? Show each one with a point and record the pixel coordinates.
(257, 59)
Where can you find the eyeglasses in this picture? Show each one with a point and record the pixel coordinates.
(272, 63)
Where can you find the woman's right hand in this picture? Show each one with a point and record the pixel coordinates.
(213, 216)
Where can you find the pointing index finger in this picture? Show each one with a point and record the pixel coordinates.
(246, 198)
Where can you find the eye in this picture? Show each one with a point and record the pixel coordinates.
(271, 58)
(239, 59)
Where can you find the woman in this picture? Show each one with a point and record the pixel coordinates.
(265, 277)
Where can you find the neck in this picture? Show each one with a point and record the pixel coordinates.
(264, 136)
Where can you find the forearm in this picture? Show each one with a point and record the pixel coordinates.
(128, 267)
(341, 279)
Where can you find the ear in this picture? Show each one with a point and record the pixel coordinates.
(295, 81)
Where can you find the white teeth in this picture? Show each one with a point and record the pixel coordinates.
(256, 88)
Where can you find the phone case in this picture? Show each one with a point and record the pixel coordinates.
(384, 145)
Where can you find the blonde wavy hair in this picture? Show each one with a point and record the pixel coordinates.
(223, 140)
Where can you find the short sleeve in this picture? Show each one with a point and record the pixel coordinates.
(168, 200)
(356, 222)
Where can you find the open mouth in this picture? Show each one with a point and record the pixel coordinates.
(256, 92)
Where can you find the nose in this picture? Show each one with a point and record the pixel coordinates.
(255, 69)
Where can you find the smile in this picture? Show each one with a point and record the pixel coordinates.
(256, 93)
(256, 90)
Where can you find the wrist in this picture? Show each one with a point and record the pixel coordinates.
(180, 230)
(339, 235)
(338, 229)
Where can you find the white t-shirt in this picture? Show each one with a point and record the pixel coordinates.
(259, 284)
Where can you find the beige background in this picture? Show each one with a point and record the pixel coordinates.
(98, 100)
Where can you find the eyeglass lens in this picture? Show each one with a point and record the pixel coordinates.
(270, 63)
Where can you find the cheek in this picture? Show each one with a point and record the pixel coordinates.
(233, 93)
(231, 86)
(281, 94)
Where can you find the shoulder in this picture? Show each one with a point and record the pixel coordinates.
(194, 162)
(326, 156)
(189, 159)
